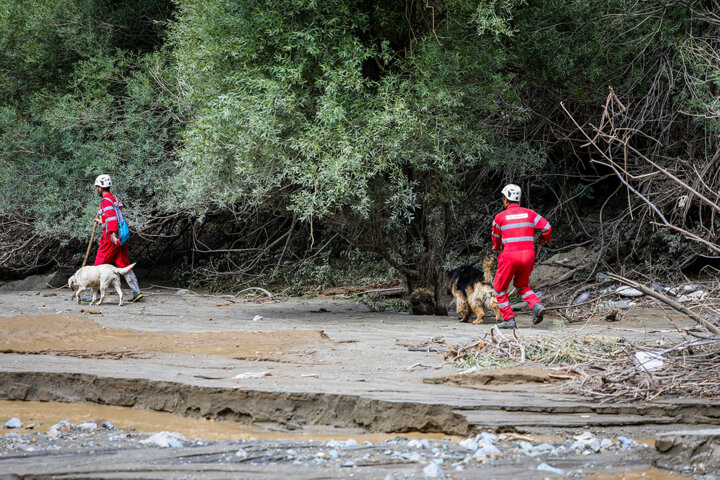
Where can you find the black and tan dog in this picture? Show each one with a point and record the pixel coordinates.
(473, 290)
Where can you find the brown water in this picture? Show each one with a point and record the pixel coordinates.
(79, 336)
(649, 474)
(47, 414)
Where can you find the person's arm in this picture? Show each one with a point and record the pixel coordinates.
(496, 236)
(109, 219)
(544, 227)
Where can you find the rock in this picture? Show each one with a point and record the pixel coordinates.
(165, 439)
(606, 443)
(13, 423)
(415, 457)
(544, 467)
(88, 427)
(108, 426)
(53, 433)
(433, 470)
(627, 443)
(697, 449)
(242, 453)
(183, 291)
(558, 265)
(469, 444)
(419, 443)
(350, 442)
(486, 437)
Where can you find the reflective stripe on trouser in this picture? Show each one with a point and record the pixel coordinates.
(516, 266)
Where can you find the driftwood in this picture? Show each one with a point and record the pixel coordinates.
(668, 301)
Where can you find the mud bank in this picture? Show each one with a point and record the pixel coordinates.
(79, 336)
(247, 407)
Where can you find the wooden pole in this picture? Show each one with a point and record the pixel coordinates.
(92, 237)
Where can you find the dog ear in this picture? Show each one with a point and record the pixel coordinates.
(71, 283)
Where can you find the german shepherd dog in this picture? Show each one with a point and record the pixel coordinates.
(473, 290)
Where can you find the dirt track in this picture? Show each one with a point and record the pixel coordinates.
(326, 363)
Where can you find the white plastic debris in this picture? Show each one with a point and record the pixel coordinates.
(13, 423)
(469, 370)
(547, 468)
(257, 318)
(650, 361)
(246, 375)
(696, 296)
(433, 470)
(626, 291)
(165, 440)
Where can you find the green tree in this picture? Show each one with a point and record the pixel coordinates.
(361, 115)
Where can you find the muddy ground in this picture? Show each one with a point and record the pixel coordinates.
(324, 367)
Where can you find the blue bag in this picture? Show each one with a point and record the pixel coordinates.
(123, 229)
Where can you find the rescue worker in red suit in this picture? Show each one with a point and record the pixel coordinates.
(513, 231)
(110, 250)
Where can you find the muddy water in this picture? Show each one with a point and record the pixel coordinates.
(47, 414)
(79, 336)
(649, 474)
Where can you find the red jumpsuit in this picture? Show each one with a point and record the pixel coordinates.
(514, 229)
(108, 252)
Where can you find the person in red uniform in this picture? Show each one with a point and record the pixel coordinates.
(110, 250)
(513, 231)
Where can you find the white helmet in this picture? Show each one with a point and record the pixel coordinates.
(512, 192)
(103, 181)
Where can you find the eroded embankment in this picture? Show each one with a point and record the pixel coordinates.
(291, 410)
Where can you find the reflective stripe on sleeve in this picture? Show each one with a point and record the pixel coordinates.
(110, 218)
(518, 239)
(547, 227)
(517, 225)
(537, 219)
(108, 209)
(496, 235)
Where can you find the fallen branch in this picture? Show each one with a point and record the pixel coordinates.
(667, 300)
(255, 288)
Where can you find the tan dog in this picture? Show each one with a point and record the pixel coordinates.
(97, 277)
(473, 290)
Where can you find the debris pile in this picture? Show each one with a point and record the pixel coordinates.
(605, 368)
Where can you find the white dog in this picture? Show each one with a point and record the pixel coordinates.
(97, 277)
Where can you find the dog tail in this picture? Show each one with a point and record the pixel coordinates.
(488, 270)
(123, 271)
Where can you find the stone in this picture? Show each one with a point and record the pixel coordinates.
(419, 443)
(108, 426)
(165, 440)
(697, 449)
(13, 423)
(544, 467)
(433, 470)
(88, 427)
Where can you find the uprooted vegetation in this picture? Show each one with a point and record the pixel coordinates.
(601, 367)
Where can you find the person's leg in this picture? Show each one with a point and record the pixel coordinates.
(123, 260)
(503, 275)
(522, 283)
